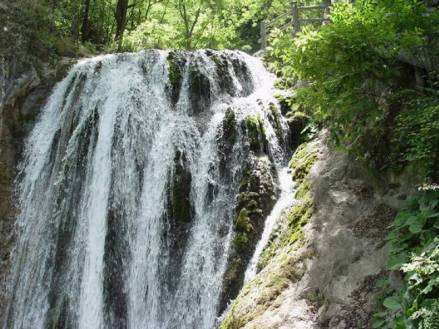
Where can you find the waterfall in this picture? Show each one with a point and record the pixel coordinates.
(127, 190)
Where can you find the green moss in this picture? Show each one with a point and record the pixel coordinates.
(247, 199)
(232, 321)
(217, 60)
(241, 242)
(174, 70)
(255, 133)
(302, 162)
(261, 293)
(275, 118)
(299, 217)
(293, 235)
(175, 75)
(234, 270)
(221, 66)
(242, 222)
(229, 126)
(303, 189)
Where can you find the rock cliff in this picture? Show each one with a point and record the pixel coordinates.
(324, 259)
(25, 83)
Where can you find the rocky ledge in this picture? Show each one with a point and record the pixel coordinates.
(321, 266)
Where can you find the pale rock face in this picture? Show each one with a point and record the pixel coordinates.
(331, 274)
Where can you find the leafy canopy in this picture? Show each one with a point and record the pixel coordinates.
(360, 79)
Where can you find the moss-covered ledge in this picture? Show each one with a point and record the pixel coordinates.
(175, 74)
(299, 215)
(283, 262)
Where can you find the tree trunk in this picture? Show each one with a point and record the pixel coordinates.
(85, 29)
(121, 17)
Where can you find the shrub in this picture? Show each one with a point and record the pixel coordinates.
(414, 243)
(356, 83)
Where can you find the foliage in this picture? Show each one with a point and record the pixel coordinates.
(115, 25)
(358, 83)
(414, 243)
(417, 131)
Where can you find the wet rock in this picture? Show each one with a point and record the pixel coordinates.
(180, 208)
(176, 65)
(257, 195)
(256, 135)
(199, 90)
(334, 265)
(25, 83)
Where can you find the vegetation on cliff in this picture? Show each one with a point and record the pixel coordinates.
(69, 27)
(371, 79)
(415, 253)
(279, 264)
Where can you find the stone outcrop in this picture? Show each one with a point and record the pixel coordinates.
(256, 196)
(327, 252)
(25, 83)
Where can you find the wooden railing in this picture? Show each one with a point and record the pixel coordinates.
(295, 20)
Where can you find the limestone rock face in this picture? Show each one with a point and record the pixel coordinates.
(324, 276)
(25, 83)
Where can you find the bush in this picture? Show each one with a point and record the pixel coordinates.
(356, 83)
(414, 243)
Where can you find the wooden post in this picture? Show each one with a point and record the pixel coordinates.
(263, 35)
(295, 18)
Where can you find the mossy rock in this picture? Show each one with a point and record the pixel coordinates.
(232, 279)
(175, 75)
(297, 119)
(181, 209)
(293, 235)
(282, 262)
(229, 127)
(242, 222)
(199, 89)
(302, 161)
(245, 198)
(299, 217)
(275, 120)
(298, 122)
(254, 202)
(256, 134)
(243, 75)
(235, 269)
(241, 242)
(261, 293)
(226, 140)
(225, 80)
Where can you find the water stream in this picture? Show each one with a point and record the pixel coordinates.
(127, 194)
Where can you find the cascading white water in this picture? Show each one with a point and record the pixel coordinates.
(126, 210)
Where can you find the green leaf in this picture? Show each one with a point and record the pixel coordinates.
(416, 223)
(378, 322)
(392, 303)
(396, 261)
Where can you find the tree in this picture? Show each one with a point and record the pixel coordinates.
(85, 21)
(190, 15)
(121, 17)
